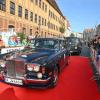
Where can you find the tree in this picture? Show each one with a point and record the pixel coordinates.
(62, 29)
(72, 35)
(22, 36)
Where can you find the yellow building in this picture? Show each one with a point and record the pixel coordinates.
(41, 18)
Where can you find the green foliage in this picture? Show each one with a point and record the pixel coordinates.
(22, 36)
(72, 35)
(62, 29)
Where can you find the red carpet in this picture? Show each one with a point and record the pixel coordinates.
(75, 83)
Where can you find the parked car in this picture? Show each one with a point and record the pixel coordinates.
(38, 65)
(74, 45)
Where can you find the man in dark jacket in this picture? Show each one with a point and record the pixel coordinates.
(98, 56)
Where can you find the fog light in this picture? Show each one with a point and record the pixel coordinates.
(75, 47)
(39, 75)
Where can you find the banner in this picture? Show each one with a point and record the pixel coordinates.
(9, 39)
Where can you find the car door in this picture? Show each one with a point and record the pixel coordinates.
(62, 55)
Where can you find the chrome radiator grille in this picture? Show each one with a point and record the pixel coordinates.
(15, 68)
(11, 69)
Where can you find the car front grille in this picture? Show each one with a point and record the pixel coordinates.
(15, 68)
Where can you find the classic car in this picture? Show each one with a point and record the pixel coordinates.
(74, 45)
(37, 65)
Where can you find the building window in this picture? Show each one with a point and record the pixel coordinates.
(36, 2)
(31, 16)
(35, 18)
(26, 14)
(45, 22)
(48, 24)
(45, 34)
(45, 8)
(30, 31)
(3, 5)
(49, 13)
(39, 20)
(12, 8)
(19, 11)
(24, 30)
(43, 5)
(54, 27)
(31, 0)
(53, 16)
(42, 21)
(40, 3)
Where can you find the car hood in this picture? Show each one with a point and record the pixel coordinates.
(33, 55)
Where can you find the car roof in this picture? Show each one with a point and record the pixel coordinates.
(71, 37)
(47, 39)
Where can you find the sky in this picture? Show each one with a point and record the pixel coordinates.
(81, 13)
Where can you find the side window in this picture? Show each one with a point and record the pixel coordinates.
(61, 45)
(57, 46)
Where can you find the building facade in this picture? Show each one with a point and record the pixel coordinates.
(89, 34)
(40, 18)
(98, 29)
(67, 29)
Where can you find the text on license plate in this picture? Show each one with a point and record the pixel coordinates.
(14, 81)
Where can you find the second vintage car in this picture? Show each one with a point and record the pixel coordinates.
(38, 65)
(74, 45)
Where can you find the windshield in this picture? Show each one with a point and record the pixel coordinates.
(49, 44)
(72, 40)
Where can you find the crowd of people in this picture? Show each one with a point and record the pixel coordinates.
(94, 44)
(14, 41)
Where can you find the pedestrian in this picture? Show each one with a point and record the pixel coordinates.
(2, 44)
(98, 55)
(94, 49)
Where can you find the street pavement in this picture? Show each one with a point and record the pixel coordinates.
(85, 51)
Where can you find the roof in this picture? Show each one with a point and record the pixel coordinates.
(55, 6)
(47, 39)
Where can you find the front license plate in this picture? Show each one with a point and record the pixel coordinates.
(13, 81)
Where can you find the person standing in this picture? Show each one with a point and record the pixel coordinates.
(98, 55)
(2, 44)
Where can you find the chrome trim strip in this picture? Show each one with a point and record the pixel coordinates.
(39, 79)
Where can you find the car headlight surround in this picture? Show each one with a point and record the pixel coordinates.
(33, 67)
(29, 68)
(36, 68)
(2, 63)
(75, 47)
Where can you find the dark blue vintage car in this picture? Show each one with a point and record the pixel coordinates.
(38, 65)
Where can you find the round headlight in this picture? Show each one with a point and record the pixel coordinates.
(36, 68)
(75, 47)
(3, 65)
(29, 68)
